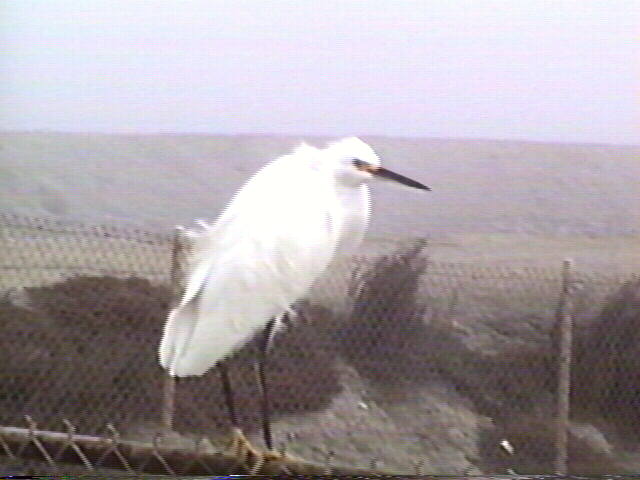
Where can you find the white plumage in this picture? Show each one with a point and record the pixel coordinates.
(275, 238)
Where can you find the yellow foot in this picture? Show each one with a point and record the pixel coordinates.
(252, 459)
(240, 447)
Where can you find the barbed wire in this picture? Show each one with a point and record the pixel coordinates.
(95, 454)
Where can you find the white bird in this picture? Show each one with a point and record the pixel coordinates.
(274, 239)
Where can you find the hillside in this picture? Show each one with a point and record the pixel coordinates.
(478, 186)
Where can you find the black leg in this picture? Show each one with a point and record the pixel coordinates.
(228, 393)
(262, 379)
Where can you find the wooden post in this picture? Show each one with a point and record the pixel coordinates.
(564, 322)
(169, 384)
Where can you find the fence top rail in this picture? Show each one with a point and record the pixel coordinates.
(72, 227)
(435, 268)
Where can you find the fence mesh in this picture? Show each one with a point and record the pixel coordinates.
(393, 360)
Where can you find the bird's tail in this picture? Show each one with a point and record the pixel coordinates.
(177, 334)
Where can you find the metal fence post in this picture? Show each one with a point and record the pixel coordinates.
(169, 384)
(564, 322)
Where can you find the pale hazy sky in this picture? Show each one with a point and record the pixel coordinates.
(541, 70)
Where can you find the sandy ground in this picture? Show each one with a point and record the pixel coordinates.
(478, 186)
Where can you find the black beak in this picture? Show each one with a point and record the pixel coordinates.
(396, 177)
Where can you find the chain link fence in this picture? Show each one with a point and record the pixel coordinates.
(394, 362)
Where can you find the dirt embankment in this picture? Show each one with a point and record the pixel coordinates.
(386, 378)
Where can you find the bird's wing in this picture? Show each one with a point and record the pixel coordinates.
(253, 197)
(276, 237)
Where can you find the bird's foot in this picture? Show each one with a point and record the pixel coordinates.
(250, 457)
(245, 453)
(239, 446)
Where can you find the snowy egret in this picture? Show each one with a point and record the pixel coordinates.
(273, 240)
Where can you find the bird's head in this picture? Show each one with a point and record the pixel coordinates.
(354, 162)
